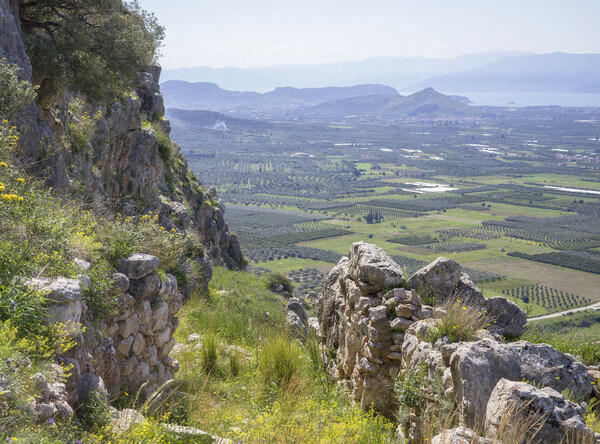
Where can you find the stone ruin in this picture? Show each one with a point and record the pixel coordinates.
(128, 351)
(373, 326)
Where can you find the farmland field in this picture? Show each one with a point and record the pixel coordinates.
(300, 191)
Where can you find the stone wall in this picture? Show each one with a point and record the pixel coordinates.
(130, 348)
(375, 329)
(367, 306)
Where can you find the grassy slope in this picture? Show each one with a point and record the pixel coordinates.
(246, 404)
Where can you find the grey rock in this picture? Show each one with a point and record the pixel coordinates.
(160, 316)
(121, 282)
(439, 277)
(125, 345)
(129, 326)
(467, 291)
(372, 268)
(91, 388)
(328, 308)
(295, 324)
(460, 435)
(162, 337)
(126, 419)
(64, 301)
(507, 318)
(138, 265)
(145, 287)
(296, 306)
(553, 419)
(477, 367)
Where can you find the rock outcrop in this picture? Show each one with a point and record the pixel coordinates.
(126, 164)
(477, 367)
(374, 328)
(543, 415)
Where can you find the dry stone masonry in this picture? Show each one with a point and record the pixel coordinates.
(126, 352)
(374, 326)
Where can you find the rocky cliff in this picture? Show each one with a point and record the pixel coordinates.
(376, 331)
(115, 155)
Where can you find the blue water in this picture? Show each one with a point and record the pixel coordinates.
(528, 98)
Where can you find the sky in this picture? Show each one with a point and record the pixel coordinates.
(246, 33)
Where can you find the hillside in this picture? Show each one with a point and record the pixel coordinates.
(556, 72)
(424, 104)
(184, 95)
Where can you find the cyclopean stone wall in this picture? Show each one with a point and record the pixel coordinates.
(129, 350)
(366, 307)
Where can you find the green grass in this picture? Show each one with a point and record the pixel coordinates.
(276, 390)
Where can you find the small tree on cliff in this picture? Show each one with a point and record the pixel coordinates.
(89, 46)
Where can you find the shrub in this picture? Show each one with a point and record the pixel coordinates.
(409, 388)
(165, 144)
(14, 93)
(461, 323)
(275, 279)
(80, 126)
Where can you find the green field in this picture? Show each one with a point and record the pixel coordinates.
(294, 214)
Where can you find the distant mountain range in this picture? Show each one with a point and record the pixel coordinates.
(488, 72)
(363, 101)
(394, 71)
(556, 72)
(209, 96)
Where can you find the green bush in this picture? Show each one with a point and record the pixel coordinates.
(165, 144)
(91, 47)
(276, 279)
(14, 93)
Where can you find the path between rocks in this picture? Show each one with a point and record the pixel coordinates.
(562, 313)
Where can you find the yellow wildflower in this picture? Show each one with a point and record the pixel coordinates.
(21, 180)
(3, 165)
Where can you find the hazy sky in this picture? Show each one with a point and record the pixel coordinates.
(270, 32)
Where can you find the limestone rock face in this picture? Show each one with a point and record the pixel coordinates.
(547, 410)
(439, 277)
(329, 305)
(126, 158)
(477, 367)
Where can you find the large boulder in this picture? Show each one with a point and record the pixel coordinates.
(467, 291)
(477, 367)
(507, 318)
(439, 278)
(373, 269)
(519, 412)
(138, 265)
